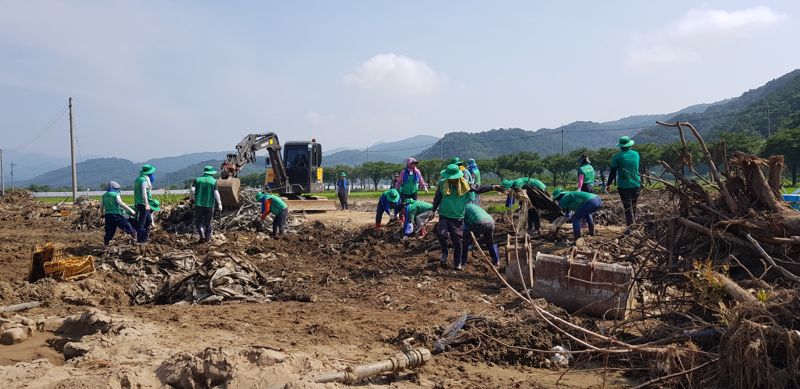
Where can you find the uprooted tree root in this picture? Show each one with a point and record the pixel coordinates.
(760, 348)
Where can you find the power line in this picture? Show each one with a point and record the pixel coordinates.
(43, 131)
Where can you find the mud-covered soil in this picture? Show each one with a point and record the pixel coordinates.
(371, 291)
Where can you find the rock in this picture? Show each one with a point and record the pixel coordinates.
(14, 335)
(75, 349)
(267, 357)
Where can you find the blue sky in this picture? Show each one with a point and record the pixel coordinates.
(154, 78)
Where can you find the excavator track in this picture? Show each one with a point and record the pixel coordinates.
(229, 194)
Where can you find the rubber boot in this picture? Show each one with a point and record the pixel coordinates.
(591, 229)
(494, 253)
(443, 259)
(377, 226)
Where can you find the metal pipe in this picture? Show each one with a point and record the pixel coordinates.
(405, 360)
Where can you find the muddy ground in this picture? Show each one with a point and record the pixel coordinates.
(370, 291)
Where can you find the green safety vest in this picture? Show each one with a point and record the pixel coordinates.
(474, 214)
(573, 200)
(627, 164)
(520, 182)
(138, 196)
(477, 175)
(418, 207)
(204, 191)
(277, 206)
(452, 205)
(110, 205)
(411, 185)
(588, 173)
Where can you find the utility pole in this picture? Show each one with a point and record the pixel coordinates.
(12, 174)
(72, 153)
(441, 149)
(2, 176)
(367, 153)
(562, 139)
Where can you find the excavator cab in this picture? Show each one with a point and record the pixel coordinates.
(303, 162)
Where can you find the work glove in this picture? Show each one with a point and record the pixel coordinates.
(219, 208)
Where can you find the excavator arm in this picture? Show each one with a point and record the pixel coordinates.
(246, 153)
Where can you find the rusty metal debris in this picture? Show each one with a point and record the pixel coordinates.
(408, 359)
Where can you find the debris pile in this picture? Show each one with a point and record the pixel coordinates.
(180, 219)
(178, 276)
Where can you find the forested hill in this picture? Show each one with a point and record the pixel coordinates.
(767, 109)
(489, 144)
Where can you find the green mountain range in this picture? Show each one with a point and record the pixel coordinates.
(764, 110)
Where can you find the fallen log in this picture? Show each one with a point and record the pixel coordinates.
(734, 290)
(20, 307)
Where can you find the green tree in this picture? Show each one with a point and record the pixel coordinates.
(380, 170)
(786, 142)
(559, 165)
(649, 155)
(253, 180)
(430, 168)
(746, 142)
(527, 163)
(601, 160)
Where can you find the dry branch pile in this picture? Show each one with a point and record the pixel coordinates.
(179, 219)
(173, 276)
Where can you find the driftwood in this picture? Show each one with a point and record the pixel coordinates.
(20, 307)
(746, 217)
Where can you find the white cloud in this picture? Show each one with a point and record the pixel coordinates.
(684, 39)
(396, 74)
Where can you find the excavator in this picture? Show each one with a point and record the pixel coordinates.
(294, 174)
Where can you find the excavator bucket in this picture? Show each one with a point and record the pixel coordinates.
(229, 192)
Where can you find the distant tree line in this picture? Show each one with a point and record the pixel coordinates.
(561, 169)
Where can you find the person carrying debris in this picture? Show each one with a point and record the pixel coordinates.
(452, 196)
(473, 197)
(518, 188)
(386, 204)
(343, 190)
(625, 164)
(273, 204)
(585, 174)
(408, 183)
(205, 196)
(144, 202)
(113, 207)
(479, 222)
(416, 213)
(582, 204)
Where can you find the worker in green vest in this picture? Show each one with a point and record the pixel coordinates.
(143, 201)
(408, 182)
(273, 204)
(415, 214)
(477, 221)
(582, 205)
(114, 213)
(386, 204)
(625, 164)
(585, 174)
(205, 196)
(472, 168)
(515, 188)
(451, 200)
